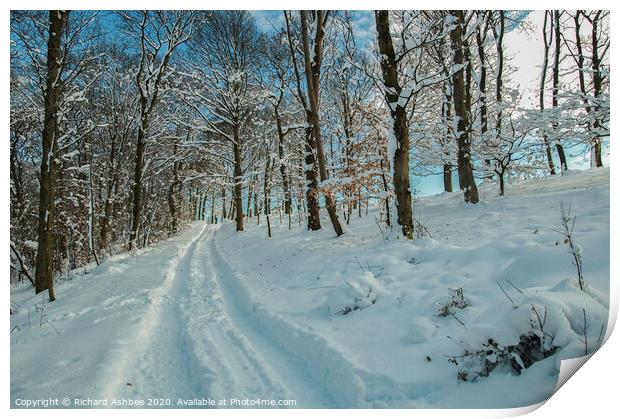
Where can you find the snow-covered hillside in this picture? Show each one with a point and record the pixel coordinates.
(355, 321)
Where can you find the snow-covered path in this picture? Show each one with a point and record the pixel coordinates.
(179, 326)
(206, 343)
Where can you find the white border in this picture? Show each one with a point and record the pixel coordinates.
(592, 394)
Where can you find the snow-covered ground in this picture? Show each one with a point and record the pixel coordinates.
(331, 322)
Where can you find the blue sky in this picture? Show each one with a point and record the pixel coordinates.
(363, 22)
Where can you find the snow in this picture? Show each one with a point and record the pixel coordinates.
(215, 314)
(31, 244)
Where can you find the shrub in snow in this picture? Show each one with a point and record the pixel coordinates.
(456, 300)
(420, 230)
(492, 354)
(541, 322)
(354, 294)
(568, 224)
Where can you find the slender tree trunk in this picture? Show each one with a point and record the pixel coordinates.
(238, 180)
(386, 189)
(313, 70)
(597, 81)
(400, 125)
(447, 177)
(482, 83)
(137, 186)
(501, 183)
(91, 212)
(466, 175)
(248, 205)
(213, 207)
(266, 187)
(541, 91)
(556, 86)
(447, 117)
(105, 221)
(172, 204)
(311, 190)
(283, 171)
(44, 277)
(223, 203)
(499, 41)
(108, 205)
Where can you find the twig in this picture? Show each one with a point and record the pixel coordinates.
(515, 287)
(23, 268)
(506, 294)
(457, 319)
(585, 331)
(359, 264)
(600, 335)
(568, 225)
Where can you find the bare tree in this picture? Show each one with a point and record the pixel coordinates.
(600, 47)
(556, 85)
(158, 34)
(310, 169)
(541, 90)
(466, 176)
(47, 196)
(312, 64)
(400, 124)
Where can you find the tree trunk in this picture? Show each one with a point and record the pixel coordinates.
(105, 221)
(223, 203)
(501, 183)
(499, 40)
(213, 208)
(312, 188)
(137, 185)
(447, 177)
(400, 126)
(447, 117)
(541, 92)
(482, 85)
(45, 249)
(466, 175)
(597, 81)
(556, 86)
(248, 205)
(266, 188)
(386, 189)
(313, 70)
(283, 172)
(238, 180)
(172, 204)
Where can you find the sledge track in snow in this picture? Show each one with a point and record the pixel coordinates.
(200, 338)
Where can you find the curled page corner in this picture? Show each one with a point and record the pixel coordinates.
(519, 411)
(568, 367)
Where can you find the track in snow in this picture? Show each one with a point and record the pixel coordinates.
(199, 338)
